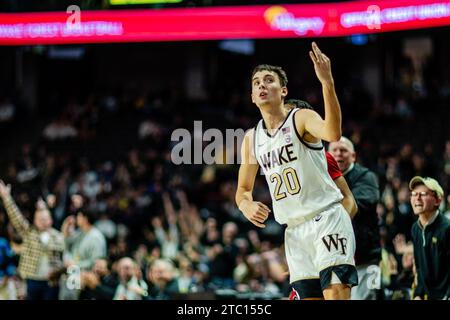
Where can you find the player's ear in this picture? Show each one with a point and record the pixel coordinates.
(284, 92)
(253, 100)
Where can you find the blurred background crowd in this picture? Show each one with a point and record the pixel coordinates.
(91, 133)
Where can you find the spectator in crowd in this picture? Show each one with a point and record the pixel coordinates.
(169, 240)
(106, 226)
(7, 271)
(431, 239)
(42, 247)
(447, 208)
(364, 185)
(275, 260)
(223, 257)
(210, 234)
(257, 276)
(84, 246)
(403, 214)
(131, 285)
(163, 280)
(397, 274)
(404, 277)
(186, 280)
(60, 129)
(100, 283)
(7, 110)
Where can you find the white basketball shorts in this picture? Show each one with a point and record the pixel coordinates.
(322, 248)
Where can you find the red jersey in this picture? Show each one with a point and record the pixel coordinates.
(333, 168)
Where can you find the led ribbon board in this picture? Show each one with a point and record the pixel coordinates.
(242, 22)
(131, 2)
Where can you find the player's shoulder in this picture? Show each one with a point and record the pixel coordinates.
(249, 137)
(302, 115)
(249, 134)
(304, 112)
(248, 145)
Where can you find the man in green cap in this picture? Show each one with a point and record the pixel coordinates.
(431, 240)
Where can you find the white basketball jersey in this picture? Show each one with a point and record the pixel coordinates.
(296, 172)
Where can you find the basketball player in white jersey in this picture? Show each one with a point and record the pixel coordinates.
(287, 146)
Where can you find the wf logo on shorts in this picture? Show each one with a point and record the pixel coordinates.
(336, 242)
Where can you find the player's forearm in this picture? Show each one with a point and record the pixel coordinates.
(350, 206)
(243, 195)
(333, 118)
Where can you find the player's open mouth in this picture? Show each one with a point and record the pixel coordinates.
(263, 94)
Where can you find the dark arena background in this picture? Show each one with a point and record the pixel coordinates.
(92, 94)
